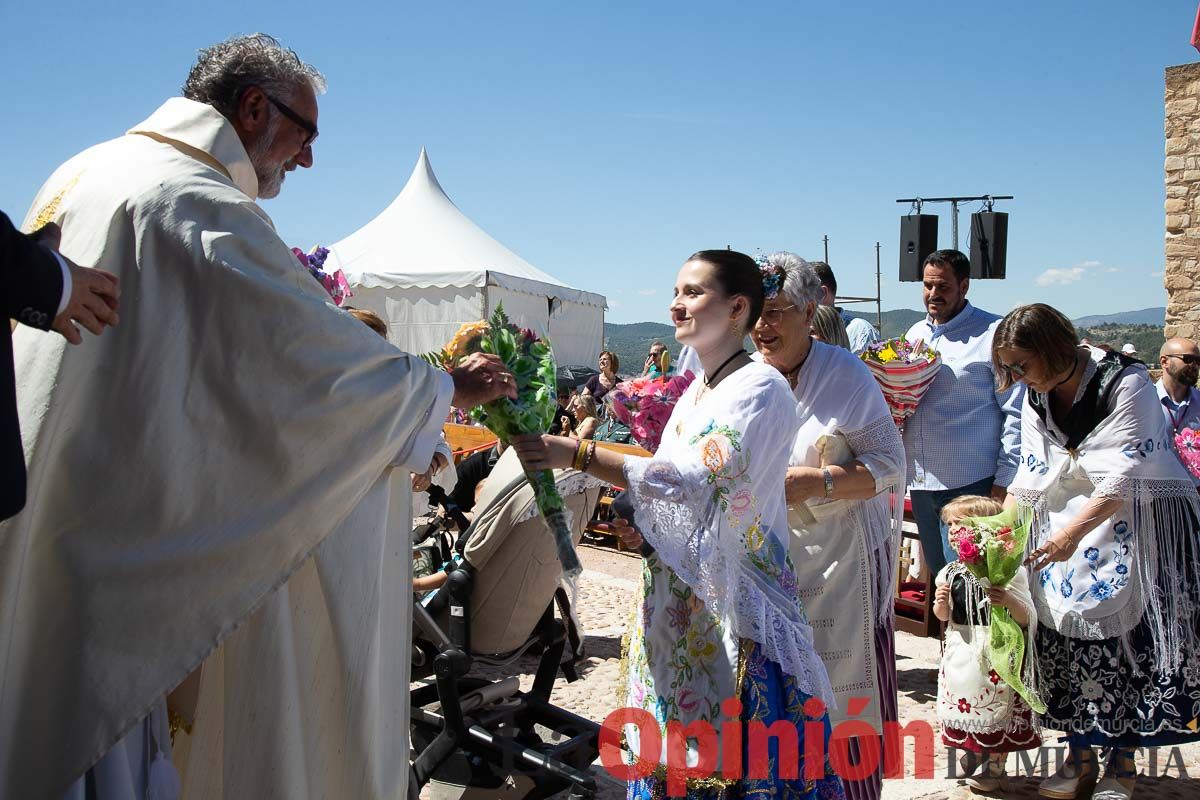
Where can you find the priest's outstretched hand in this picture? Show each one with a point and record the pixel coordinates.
(480, 378)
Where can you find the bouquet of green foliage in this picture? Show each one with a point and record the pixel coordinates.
(531, 361)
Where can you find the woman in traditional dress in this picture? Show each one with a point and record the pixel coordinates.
(720, 634)
(845, 487)
(1115, 575)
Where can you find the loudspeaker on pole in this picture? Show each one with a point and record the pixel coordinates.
(989, 244)
(918, 238)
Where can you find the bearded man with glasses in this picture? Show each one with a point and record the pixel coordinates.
(1180, 362)
(223, 480)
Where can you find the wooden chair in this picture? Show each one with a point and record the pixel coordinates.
(467, 439)
(914, 597)
(603, 511)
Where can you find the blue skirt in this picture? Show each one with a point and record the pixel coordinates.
(1094, 694)
(768, 695)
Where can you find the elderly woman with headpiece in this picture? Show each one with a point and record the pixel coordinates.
(1115, 574)
(844, 490)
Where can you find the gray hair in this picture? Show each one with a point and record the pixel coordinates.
(223, 72)
(800, 284)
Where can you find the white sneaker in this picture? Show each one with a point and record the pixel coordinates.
(1113, 789)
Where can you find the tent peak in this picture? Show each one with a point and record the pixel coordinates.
(422, 178)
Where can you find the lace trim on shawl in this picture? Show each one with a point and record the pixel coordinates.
(1164, 515)
(716, 569)
(568, 485)
(881, 517)
(882, 434)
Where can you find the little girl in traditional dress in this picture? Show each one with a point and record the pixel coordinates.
(979, 712)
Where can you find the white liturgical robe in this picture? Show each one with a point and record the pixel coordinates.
(228, 456)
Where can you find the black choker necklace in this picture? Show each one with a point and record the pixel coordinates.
(708, 379)
(1072, 375)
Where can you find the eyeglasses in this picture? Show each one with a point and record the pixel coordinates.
(1015, 369)
(773, 316)
(1189, 360)
(309, 127)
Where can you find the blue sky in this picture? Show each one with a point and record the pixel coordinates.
(605, 143)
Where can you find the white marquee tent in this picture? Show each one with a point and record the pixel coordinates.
(426, 268)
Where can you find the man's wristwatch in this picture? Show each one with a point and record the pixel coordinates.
(828, 482)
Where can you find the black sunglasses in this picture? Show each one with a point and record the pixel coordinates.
(1189, 359)
(310, 128)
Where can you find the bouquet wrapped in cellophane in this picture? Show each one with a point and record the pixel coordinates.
(904, 370)
(992, 548)
(531, 361)
(333, 282)
(644, 405)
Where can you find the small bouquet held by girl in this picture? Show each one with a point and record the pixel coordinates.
(531, 361)
(644, 405)
(904, 370)
(985, 697)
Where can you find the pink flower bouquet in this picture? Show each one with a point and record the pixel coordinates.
(1187, 444)
(333, 282)
(904, 370)
(645, 405)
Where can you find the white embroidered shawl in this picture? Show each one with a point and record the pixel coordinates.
(1124, 569)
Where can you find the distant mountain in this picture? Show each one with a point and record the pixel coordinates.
(1142, 328)
(632, 342)
(1146, 316)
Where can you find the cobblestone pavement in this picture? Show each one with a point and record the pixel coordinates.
(607, 591)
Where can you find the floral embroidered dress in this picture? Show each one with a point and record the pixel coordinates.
(1118, 640)
(976, 709)
(719, 616)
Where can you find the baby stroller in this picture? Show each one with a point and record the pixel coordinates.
(498, 602)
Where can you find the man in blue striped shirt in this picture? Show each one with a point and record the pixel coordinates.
(965, 437)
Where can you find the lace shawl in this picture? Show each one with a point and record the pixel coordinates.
(837, 394)
(711, 503)
(1132, 565)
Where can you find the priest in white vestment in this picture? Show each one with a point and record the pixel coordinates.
(216, 477)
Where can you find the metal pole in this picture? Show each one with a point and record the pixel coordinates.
(878, 293)
(826, 240)
(954, 216)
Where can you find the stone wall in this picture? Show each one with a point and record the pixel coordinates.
(1182, 165)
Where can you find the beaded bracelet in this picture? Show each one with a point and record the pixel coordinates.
(589, 454)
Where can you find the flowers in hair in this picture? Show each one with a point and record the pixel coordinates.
(772, 277)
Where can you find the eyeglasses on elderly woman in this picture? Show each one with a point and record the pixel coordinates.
(773, 316)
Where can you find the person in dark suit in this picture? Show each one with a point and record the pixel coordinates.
(44, 290)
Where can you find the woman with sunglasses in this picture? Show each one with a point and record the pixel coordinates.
(719, 636)
(1114, 561)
